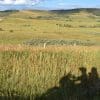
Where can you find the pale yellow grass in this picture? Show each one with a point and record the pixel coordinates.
(20, 47)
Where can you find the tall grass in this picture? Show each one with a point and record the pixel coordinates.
(28, 71)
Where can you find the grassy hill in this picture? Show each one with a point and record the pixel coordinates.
(68, 25)
(95, 11)
(7, 13)
(58, 71)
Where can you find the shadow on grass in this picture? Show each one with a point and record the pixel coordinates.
(84, 87)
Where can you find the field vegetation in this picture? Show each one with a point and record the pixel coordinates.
(17, 27)
(50, 55)
(30, 71)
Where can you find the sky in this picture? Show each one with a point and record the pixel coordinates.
(47, 4)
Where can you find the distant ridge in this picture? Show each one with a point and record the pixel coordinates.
(7, 12)
(95, 11)
(61, 10)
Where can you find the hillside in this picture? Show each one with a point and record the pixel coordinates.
(94, 11)
(81, 25)
(7, 13)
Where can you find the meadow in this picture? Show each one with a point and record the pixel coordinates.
(30, 71)
(22, 26)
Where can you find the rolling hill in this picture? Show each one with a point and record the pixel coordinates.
(68, 25)
(94, 11)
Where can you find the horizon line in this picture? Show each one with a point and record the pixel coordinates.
(49, 9)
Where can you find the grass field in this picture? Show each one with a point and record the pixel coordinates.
(28, 71)
(24, 26)
(49, 55)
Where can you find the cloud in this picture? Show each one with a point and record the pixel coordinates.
(19, 2)
(61, 4)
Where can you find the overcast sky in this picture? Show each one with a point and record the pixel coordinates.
(48, 4)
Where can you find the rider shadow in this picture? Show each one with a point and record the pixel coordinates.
(93, 83)
(59, 93)
(84, 87)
